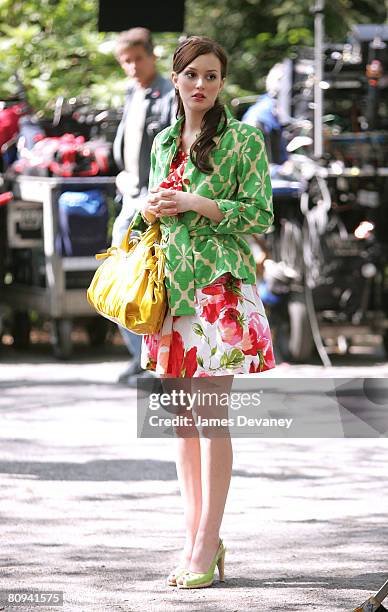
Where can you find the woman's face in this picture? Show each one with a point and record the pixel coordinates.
(199, 83)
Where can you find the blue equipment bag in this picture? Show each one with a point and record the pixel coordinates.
(83, 223)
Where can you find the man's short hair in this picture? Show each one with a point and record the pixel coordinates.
(133, 37)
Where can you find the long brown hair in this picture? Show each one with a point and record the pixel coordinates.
(185, 53)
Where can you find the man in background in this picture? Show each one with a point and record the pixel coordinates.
(149, 108)
(267, 114)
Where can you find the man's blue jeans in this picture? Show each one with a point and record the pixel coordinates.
(129, 208)
(132, 342)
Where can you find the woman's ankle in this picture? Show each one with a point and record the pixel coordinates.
(186, 555)
(206, 537)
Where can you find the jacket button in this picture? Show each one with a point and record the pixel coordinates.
(186, 182)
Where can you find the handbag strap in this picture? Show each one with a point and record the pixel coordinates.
(126, 240)
(151, 234)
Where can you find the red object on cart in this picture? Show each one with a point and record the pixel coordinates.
(5, 197)
(66, 156)
(9, 122)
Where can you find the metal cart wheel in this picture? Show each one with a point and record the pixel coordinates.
(301, 342)
(21, 328)
(97, 329)
(280, 336)
(61, 338)
(385, 342)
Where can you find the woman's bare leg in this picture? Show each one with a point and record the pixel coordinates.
(216, 463)
(188, 467)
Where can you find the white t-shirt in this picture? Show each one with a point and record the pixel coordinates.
(133, 134)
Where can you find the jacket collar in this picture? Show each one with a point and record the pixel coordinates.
(154, 90)
(150, 91)
(173, 132)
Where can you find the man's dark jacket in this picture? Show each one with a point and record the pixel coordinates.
(160, 113)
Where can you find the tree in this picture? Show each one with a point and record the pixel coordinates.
(258, 33)
(56, 49)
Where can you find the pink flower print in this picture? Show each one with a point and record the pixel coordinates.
(231, 324)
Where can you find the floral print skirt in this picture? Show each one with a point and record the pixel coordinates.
(228, 334)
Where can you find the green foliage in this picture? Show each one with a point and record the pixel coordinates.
(56, 49)
(258, 33)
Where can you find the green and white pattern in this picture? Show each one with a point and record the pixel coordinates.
(197, 249)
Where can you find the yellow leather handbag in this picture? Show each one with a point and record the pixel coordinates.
(128, 287)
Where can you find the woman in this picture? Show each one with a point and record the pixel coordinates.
(209, 186)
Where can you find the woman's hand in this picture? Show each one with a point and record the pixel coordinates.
(163, 202)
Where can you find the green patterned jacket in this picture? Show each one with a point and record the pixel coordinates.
(197, 249)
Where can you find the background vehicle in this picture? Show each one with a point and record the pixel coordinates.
(331, 208)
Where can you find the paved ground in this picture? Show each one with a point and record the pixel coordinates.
(92, 510)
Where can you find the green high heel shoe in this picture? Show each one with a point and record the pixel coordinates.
(174, 575)
(196, 580)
